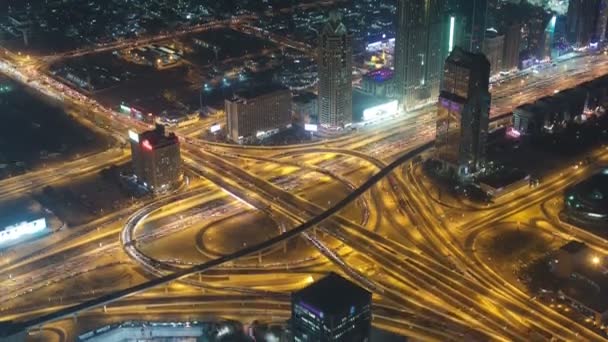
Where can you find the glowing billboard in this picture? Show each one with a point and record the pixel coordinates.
(310, 127)
(451, 41)
(215, 128)
(147, 145)
(133, 136)
(22, 228)
(389, 108)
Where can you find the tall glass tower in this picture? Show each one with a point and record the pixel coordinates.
(421, 45)
(335, 60)
(463, 113)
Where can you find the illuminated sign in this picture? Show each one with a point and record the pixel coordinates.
(452, 23)
(450, 105)
(125, 109)
(310, 127)
(23, 228)
(215, 128)
(146, 144)
(512, 132)
(388, 108)
(133, 136)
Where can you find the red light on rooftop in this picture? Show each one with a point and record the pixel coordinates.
(146, 144)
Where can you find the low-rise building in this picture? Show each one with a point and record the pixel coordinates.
(587, 201)
(583, 279)
(331, 309)
(379, 83)
(258, 113)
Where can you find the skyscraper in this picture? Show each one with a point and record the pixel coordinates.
(421, 45)
(493, 48)
(510, 58)
(331, 309)
(463, 112)
(582, 21)
(156, 159)
(602, 20)
(546, 46)
(478, 16)
(335, 58)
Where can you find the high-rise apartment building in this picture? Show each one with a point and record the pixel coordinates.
(331, 309)
(512, 47)
(335, 59)
(463, 113)
(493, 48)
(546, 46)
(477, 16)
(156, 159)
(423, 38)
(601, 21)
(258, 113)
(583, 20)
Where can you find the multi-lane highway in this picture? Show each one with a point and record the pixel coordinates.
(389, 236)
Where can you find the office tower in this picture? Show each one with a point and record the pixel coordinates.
(156, 159)
(493, 47)
(305, 109)
(335, 57)
(582, 20)
(512, 47)
(257, 113)
(463, 113)
(421, 45)
(546, 46)
(602, 20)
(331, 309)
(477, 17)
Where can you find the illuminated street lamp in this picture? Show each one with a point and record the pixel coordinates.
(595, 260)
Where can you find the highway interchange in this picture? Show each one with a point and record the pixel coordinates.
(417, 255)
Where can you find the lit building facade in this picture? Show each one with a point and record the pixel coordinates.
(424, 36)
(546, 46)
(582, 21)
(258, 113)
(463, 113)
(493, 48)
(477, 16)
(512, 47)
(331, 309)
(21, 229)
(156, 159)
(335, 59)
(602, 20)
(378, 83)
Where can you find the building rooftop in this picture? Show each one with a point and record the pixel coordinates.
(252, 93)
(503, 178)
(589, 285)
(158, 138)
(590, 195)
(573, 247)
(304, 97)
(466, 59)
(332, 294)
(380, 76)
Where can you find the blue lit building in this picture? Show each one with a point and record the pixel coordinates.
(331, 309)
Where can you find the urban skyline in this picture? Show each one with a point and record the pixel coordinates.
(303, 170)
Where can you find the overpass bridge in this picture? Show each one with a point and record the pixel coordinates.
(15, 331)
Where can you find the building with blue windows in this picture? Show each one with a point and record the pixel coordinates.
(331, 309)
